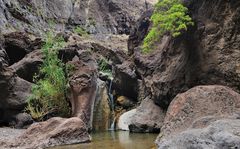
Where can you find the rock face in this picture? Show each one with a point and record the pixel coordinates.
(199, 102)
(55, 131)
(15, 89)
(97, 16)
(207, 54)
(14, 92)
(220, 134)
(148, 117)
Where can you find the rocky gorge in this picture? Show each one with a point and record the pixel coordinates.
(186, 89)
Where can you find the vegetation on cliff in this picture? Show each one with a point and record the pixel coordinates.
(48, 94)
(169, 17)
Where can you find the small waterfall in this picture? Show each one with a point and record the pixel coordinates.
(111, 102)
(112, 127)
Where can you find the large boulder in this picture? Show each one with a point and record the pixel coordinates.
(199, 102)
(147, 118)
(220, 134)
(54, 132)
(13, 99)
(125, 120)
(207, 53)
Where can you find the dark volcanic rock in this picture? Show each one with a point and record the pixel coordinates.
(18, 44)
(54, 132)
(125, 80)
(207, 54)
(29, 65)
(14, 92)
(22, 120)
(198, 102)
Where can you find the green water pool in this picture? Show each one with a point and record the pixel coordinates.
(116, 140)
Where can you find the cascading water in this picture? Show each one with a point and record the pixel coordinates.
(111, 103)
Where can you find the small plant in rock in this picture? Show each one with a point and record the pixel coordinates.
(80, 31)
(169, 17)
(48, 94)
(104, 67)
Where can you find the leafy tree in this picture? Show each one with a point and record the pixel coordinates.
(169, 17)
(48, 94)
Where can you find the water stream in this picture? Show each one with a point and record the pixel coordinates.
(116, 140)
(111, 103)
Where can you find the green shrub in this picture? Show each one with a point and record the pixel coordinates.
(104, 68)
(48, 94)
(169, 17)
(80, 31)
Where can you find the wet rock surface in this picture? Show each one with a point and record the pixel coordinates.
(102, 114)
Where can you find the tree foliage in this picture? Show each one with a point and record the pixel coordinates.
(169, 17)
(48, 94)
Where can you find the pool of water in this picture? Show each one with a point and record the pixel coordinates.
(116, 140)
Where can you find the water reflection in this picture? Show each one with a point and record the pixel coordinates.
(117, 140)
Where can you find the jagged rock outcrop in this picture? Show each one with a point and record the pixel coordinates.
(56, 131)
(198, 108)
(97, 16)
(207, 53)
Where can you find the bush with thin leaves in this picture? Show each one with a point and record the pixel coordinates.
(48, 93)
(169, 17)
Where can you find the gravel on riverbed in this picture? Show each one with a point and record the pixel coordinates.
(7, 133)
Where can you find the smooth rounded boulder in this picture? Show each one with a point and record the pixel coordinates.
(201, 101)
